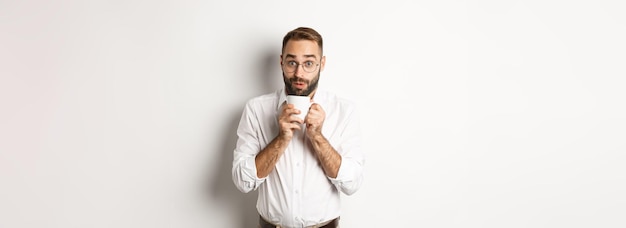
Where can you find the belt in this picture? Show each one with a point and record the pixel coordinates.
(329, 224)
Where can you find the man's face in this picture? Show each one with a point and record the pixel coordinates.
(301, 62)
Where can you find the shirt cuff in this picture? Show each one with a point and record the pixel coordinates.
(249, 168)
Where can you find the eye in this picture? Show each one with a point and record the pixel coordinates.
(308, 63)
(292, 63)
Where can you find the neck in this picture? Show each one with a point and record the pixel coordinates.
(312, 94)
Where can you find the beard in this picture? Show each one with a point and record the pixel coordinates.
(311, 85)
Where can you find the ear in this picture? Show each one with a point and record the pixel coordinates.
(281, 60)
(323, 63)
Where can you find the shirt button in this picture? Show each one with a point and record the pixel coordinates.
(298, 164)
(297, 191)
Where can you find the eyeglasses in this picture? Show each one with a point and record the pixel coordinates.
(308, 66)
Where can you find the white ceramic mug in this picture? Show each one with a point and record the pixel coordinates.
(302, 103)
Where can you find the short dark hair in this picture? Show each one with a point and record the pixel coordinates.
(303, 33)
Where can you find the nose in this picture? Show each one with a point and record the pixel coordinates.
(299, 70)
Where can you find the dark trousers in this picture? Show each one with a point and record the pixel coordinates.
(265, 224)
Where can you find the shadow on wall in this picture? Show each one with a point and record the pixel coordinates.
(272, 78)
(221, 187)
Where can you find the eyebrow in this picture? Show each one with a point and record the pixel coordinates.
(305, 56)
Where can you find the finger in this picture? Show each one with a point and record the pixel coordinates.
(286, 106)
(313, 109)
(294, 119)
(316, 107)
(290, 110)
(311, 118)
(290, 126)
(314, 114)
(295, 127)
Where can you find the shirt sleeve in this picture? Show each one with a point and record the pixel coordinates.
(244, 172)
(350, 175)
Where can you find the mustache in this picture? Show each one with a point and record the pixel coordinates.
(310, 84)
(298, 80)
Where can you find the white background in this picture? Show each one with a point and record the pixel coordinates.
(475, 113)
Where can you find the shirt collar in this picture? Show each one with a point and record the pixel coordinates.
(282, 98)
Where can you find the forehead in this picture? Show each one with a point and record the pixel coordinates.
(301, 48)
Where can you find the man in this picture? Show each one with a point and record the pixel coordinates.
(300, 166)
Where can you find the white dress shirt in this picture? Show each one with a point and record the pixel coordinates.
(297, 193)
